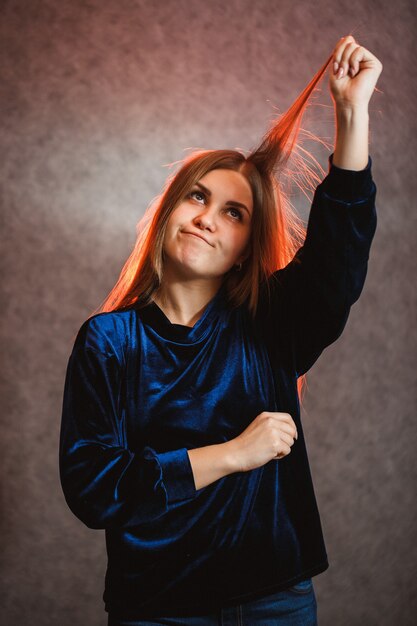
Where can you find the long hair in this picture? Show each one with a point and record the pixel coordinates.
(276, 234)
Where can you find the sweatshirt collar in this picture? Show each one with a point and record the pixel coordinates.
(153, 315)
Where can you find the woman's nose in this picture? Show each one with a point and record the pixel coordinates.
(205, 219)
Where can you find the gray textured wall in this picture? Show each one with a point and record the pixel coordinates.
(97, 97)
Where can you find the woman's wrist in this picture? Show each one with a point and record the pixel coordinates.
(352, 137)
(212, 462)
(231, 457)
(348, 110)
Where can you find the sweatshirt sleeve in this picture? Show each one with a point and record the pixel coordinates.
(104, 483)
(310, 299)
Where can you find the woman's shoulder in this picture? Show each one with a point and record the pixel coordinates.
(106, 332)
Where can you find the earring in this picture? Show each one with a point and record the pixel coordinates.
(238, 267)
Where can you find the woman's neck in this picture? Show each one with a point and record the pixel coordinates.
(184, 302)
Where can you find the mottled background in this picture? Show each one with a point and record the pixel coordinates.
(97, 98)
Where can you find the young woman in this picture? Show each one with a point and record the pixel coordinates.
(181, 432)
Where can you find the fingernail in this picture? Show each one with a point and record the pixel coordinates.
(335, 67)
(340, 74)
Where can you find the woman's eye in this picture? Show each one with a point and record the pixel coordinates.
(238, 214)
(200, 196)
(193, 194)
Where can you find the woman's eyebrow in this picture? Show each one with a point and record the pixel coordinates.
(229, 202)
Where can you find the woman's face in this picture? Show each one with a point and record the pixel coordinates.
(207, 233)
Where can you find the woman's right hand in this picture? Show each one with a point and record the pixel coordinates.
(269, 436)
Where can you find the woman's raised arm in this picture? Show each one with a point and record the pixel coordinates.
(352, 83)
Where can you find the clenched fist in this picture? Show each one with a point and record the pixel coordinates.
(269, 436)
(354, 73)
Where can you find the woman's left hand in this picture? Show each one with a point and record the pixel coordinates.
(354, 72)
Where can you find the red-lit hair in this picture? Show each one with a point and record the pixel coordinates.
(276, 234)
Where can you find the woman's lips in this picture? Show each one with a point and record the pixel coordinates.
(186, 232)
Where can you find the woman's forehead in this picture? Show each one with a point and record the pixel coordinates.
(228, 184)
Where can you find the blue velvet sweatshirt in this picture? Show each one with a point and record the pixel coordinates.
(140, 391)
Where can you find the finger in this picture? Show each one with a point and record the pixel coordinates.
(345, 59)
(285, 418)
(279, 415)
(284, 450)
(357, 56)
(362, 55)
(339, 50)
(340, 46)
(283, 421)
(344, 40)
(287, 438)
(289, 428)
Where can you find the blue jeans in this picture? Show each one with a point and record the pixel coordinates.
(295, 606)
